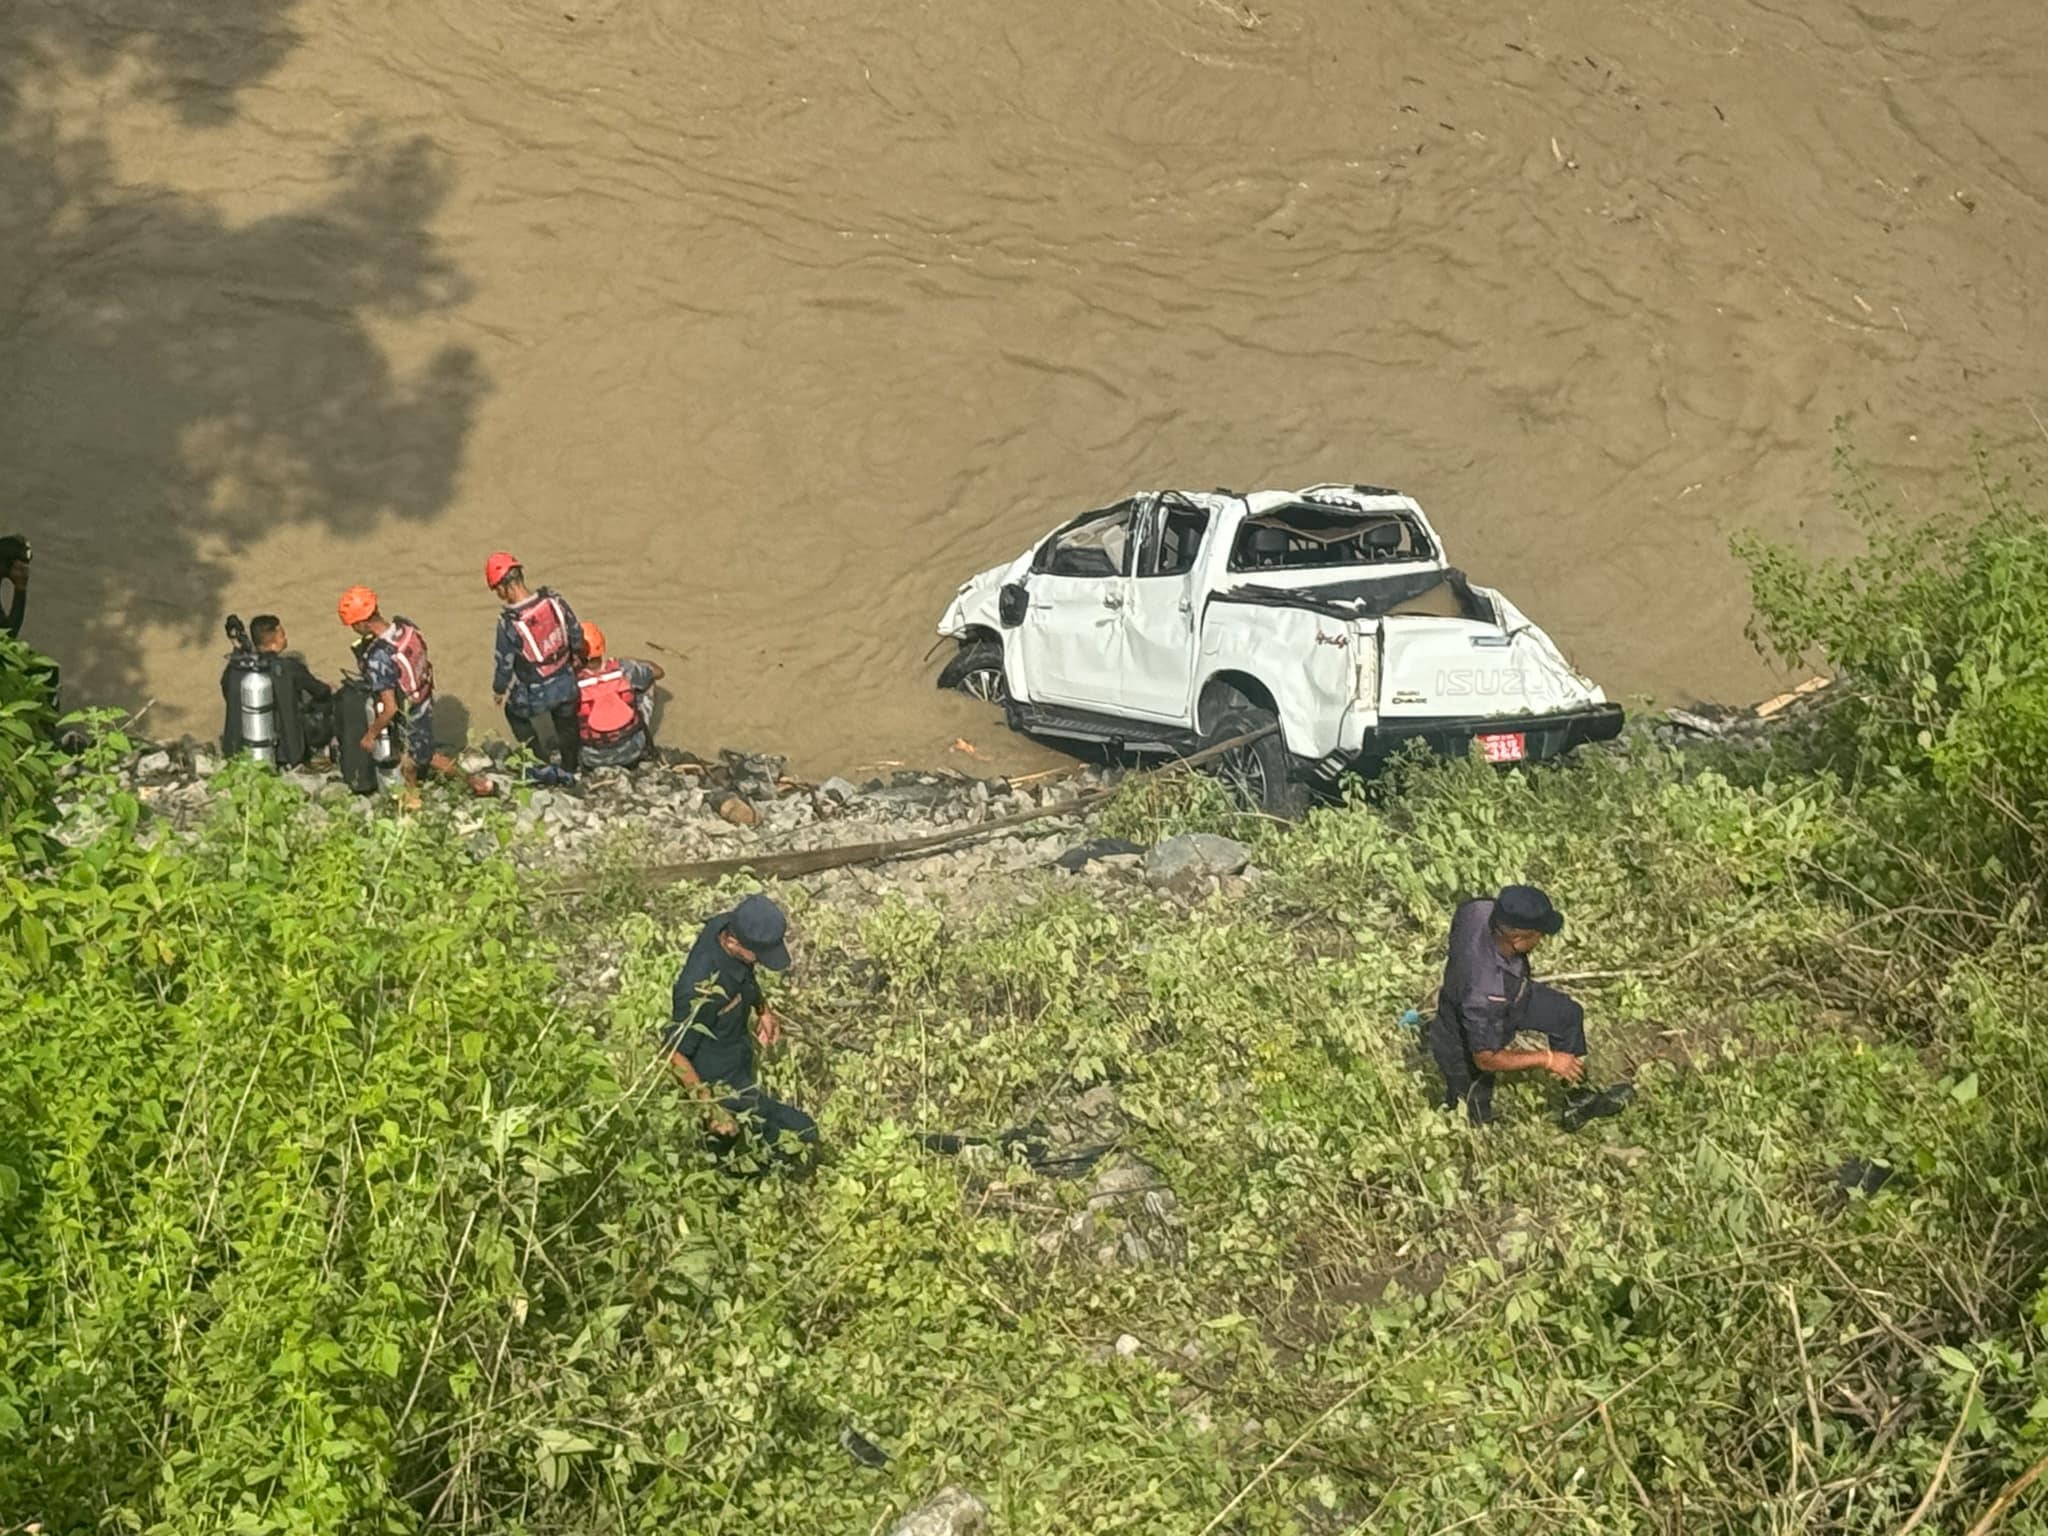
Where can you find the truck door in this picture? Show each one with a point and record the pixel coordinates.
(1162, 609)
(1069, 637)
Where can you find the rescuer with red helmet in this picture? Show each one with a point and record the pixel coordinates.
(613, 705)
(400, 677)
(539, 643)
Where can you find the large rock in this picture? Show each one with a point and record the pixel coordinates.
(1074, 860)
(757, 775)
(952, 1511)
(1120, 1177)
(1186, 863)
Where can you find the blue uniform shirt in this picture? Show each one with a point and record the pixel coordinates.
(711, 1004)
(380, 668)
(1485, 993)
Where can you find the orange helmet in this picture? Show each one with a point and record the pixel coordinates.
(593, 642)
(497, 567)
(356, 605)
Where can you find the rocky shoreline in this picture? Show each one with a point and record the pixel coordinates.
(682, 809)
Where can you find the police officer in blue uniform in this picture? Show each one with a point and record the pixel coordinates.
(1489, 996)
(711, 1049)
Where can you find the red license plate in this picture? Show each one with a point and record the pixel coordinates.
(1504, 747)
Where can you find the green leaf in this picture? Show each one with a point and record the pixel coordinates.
(35, 940)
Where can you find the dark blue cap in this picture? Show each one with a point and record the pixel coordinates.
(1524, 906)
(759, 925)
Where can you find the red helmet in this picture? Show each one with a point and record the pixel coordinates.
(356, 605)
(593, 642)
(498, 567)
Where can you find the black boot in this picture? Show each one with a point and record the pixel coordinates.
(1596, 1104)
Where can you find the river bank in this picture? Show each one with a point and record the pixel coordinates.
(690, 814)
(1135, 1211)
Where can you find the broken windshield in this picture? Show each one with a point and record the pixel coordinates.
(1096, 544)
(1303, 537)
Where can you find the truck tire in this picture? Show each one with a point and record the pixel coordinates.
(977, 671)
(1260, 775)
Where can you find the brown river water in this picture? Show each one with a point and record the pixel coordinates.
(757, 328)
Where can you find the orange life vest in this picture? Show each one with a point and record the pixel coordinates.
(542, 625)
(409, 650)
(607, 706)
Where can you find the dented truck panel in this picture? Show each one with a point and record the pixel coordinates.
(974, 605)
(1307, 662)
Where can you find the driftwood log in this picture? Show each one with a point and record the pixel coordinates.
(811, 861)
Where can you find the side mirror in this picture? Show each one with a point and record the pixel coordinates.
(1012, 603)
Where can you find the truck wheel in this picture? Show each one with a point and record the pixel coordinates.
(977, 670)
(1259, 775)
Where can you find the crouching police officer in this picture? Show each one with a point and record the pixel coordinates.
(1489, 997)
(710, 1048)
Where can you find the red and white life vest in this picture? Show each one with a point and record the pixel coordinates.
(607, 707)
(542, 625)
(409, 650)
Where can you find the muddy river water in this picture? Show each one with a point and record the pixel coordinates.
(756, 328)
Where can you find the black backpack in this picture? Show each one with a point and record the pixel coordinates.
(355, 706)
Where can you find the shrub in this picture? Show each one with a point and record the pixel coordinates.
(1940, 634)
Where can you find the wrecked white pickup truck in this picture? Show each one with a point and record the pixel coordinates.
(1176, 619)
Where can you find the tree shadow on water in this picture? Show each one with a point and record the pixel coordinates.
(176, 387)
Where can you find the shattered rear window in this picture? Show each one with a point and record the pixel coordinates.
(1302, 537)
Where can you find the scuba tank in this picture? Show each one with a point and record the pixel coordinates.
(383, 751)
(256, 697)
(252, 697)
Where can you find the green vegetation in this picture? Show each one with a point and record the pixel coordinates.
(338, 1196)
